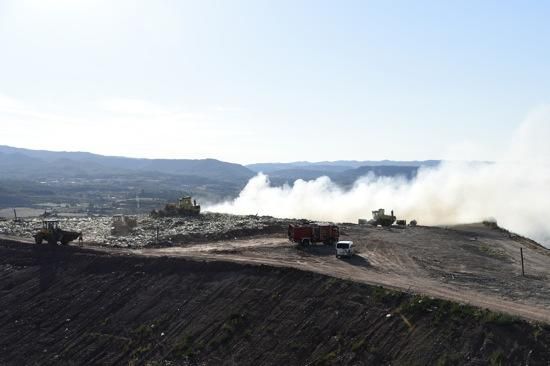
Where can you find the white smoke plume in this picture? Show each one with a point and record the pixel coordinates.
(515, 191)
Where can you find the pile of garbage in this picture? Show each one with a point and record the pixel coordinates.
(159, 231)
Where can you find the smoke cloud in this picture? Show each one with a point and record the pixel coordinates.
(515, 191)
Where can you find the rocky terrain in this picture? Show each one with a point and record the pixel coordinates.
(71, 305)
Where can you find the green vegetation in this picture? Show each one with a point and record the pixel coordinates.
(185, 348)
(492, 252)
(358, 344)
(381, 294)
(144, 338)
(234, 321)
(144, 331)
(326, 359)
(448, 359)
(234, 324)
(443, 310)
(496, 358)
(498, 318)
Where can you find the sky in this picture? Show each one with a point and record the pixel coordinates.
(265, 81)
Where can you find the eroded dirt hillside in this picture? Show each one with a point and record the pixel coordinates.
(71, 305)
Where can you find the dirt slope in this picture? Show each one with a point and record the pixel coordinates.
(472, 264)
(75, 306)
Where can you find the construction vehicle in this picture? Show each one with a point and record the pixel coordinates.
(379, 217)
(188, 208)
(122, 225)
(185, 207)
(51, 233)
(48, 212)
(314, 233)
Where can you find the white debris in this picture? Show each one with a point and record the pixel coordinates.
(171, 230)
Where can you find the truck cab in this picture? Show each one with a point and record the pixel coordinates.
(344, 249)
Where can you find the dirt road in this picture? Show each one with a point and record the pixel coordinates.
(76, 306)
(472, 264)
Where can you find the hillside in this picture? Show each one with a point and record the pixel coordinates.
(76, 306)
(345, 177)
(24, 163)
(91, 183)
(337, 166)
(476, 264)
(77, 179)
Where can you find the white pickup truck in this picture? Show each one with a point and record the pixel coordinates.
(344, 249)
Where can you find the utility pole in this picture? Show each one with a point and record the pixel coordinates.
(522, 267)
(15, 214)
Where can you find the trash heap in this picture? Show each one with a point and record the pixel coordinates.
(171, 230)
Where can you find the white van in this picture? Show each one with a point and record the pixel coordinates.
(344, 249)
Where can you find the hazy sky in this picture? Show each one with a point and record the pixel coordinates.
(254, 81)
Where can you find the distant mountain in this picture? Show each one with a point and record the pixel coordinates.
(17, 163)
(21, 163)
(336, 166)
(349, 177)
(345, 178)
(81, 179)
(291, 175)
(344, 172)
(11, 162)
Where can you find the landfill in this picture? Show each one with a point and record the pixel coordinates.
(166, 231)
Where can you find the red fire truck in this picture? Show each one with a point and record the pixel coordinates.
(313, 233)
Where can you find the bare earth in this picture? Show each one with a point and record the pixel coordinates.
(471, 264)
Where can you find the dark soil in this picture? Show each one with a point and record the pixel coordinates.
(68, 306)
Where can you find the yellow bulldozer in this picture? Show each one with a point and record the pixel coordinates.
(379, 217)
(122, 224)
(52, 233)
(186, 206)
